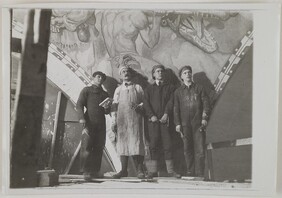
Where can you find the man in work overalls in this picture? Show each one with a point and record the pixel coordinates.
(94, 135)
(191, 110)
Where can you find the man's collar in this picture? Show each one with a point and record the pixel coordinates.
(127, 83)
(159, 81)
(185, 86)
(96, 86)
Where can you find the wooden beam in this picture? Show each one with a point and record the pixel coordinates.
(55, 129)
(26, 129)
(72, 159)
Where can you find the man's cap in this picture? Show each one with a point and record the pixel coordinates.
(155, 67)
(122, 68)
(184, 68)
(101, 74)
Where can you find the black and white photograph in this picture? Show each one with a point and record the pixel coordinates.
(137, 97)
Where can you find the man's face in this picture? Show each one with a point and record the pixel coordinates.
(125, 74)
(158, 74)
(186, 75)
(98, 80)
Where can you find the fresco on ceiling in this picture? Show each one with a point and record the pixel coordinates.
(105, 39)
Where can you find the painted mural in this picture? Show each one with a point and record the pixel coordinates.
(105, 39)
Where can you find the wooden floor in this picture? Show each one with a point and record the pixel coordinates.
(185, 183)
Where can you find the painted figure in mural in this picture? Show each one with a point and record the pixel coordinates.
(94, 133)
(191, 110)
(191, 26)
(121, 29)
(74, 31)
(128, 123)
(158, 105)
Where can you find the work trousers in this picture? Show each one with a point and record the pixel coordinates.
(92, 145)
(159, 135)
(194, 150)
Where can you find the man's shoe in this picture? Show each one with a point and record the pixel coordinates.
(87, 176)
(140, 175)
(96, 175)
(174, 174)
(190, 174)
(151, 175)
(120, 175)
(199, 178)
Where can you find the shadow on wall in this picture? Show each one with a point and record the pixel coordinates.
(202, 79)
(110, 85)
(140, 79)
(172, 78)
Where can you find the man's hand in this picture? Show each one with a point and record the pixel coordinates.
(178, 129)
(204, 123)
(164, 119)
(82, 121)
(107, 105)
(114, 127)
(154, 119)
(139, 108)
(203, 126)
(112, 137)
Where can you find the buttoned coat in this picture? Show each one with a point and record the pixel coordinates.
(191, 105)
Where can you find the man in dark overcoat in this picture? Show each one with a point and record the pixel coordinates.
(158, 104)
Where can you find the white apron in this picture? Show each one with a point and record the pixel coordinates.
(129, 122)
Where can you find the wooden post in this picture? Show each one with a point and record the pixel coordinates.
(56, 121)
(26, 130)
(67, 170)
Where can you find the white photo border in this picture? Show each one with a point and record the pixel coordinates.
(265, 95)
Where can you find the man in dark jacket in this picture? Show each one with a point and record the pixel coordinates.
(158, 104)
(94, 133)
(191, 110)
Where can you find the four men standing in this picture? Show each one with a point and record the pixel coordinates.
(188, 106)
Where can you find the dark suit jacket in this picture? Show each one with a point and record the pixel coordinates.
(158, 100)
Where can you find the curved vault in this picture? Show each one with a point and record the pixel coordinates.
(66, 74)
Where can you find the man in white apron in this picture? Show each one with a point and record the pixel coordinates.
(128, 122)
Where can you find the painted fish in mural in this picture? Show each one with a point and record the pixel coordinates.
(190, 26)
